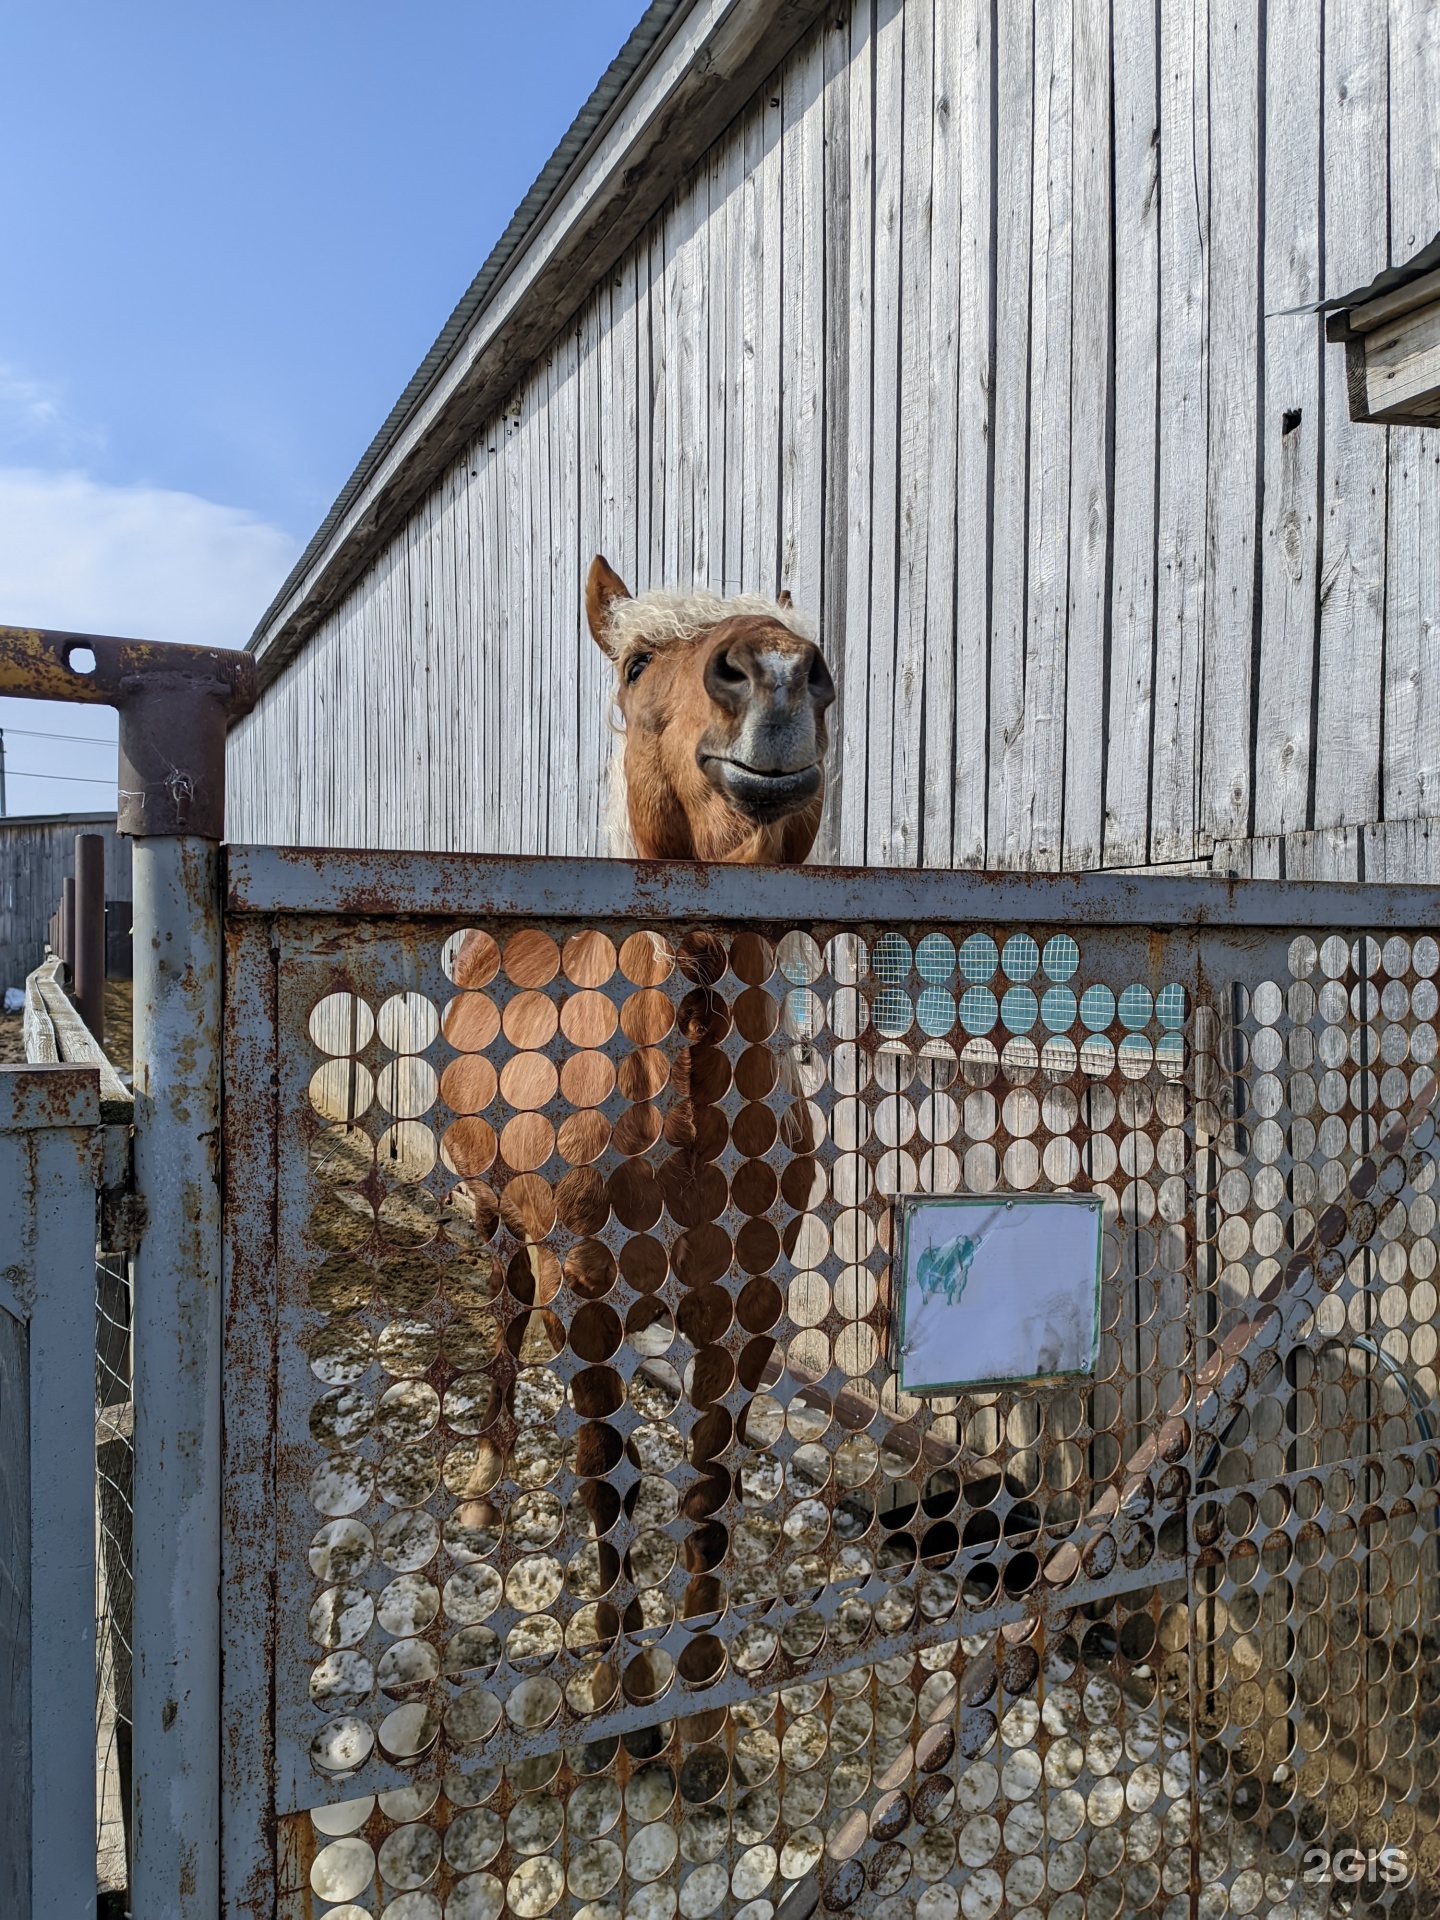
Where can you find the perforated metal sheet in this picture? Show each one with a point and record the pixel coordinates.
(606, 1551)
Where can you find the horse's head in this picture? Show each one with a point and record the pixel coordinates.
(724, 705)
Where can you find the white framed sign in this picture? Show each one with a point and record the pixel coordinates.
(997, 1289)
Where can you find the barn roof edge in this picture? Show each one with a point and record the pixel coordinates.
(751, 36)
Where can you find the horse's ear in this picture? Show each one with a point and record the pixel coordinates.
(603, 586)
(784, 599)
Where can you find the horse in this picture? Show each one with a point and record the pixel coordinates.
(946, 1270)
(723, 709)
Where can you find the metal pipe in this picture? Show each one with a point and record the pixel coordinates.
(67, 924)
(177, 1341)
(90, 931)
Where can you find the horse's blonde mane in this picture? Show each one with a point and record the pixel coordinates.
(648, 623)
(652, 621)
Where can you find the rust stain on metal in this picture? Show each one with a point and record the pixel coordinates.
(1081, 1539)
(175, 703)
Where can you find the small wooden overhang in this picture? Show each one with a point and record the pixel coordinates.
(1391, 331)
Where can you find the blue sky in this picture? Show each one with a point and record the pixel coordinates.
(229, 236)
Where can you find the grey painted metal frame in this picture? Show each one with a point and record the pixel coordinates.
(49, 1170)
(310, 922)
(316, 880)
(176, 1331)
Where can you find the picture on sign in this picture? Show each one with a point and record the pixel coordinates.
(996, 1289)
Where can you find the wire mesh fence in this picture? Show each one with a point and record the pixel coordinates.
(114, 1587)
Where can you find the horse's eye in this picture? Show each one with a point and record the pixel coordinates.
(636, 667)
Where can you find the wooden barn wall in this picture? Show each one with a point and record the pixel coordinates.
(37, 853)
(972, 331)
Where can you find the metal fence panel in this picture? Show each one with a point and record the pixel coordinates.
(49, 1171)
(572, 1506)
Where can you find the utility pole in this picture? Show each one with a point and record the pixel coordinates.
(2, 773)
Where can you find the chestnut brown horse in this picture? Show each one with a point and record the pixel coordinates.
(723, 704)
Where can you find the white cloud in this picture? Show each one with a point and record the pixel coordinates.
(143, 562)
(36, 423)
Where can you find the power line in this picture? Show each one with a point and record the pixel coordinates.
(81, 739)
(77, 779)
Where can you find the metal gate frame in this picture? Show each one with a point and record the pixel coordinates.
(335, 905)
(51, 1149)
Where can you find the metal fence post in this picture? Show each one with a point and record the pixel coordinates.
(90, 931)
(49, 1166)
(67, 924)
(176, 1330)
(172, 800)
(174, 704)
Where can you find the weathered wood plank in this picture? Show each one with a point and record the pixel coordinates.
(717, 392)
(483, 529)
(1402, 367)
(1014, 71)
(634, 421)
(802, 375)
(1292, 425)
(674, 501)
(570, 668)
(512, 694)
(693, 324)
(851, 726)
(888, 267)
(1037, 805)
(1232, 502)
(903, 372)
(1348, 736)
(539, 639)
(747, 479)
(832, 606)
(594, 511)
(39, 1031)
(1412, 561)
(1184, 405)
(1082, 771)
(937, 638)
(1389, 851)
(764, 452)
(963, 60)
(75, 1044)
(733, 370)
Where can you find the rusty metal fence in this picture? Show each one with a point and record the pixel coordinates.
(581, 1555)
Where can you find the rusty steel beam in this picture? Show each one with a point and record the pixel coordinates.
(451, 885)
(175, 704)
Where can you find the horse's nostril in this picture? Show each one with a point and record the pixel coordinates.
(726, 680)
